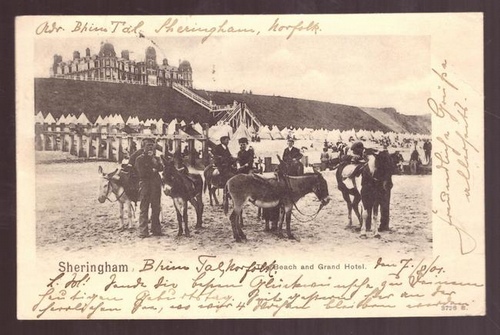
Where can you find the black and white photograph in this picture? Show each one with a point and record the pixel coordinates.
(270, 166)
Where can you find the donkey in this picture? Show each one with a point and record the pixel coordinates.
(372, 186)
(183, 188)
(271, 193)
(110, 183)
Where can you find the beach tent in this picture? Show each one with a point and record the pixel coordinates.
(198, 128)
(118, 119)
(285, 132)
(99, 120)
(133, 121)
(276, 134)
(159, 125)
(49, 119)
(171, 127)
(83, 119)
(216, 132)
(241, 132)
(61, 120)
(333, 136)
(265, 133)
(71, 119)
(39, 118)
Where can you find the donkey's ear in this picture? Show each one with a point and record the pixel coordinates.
(112, 174)
(315, 170)
(99, 170)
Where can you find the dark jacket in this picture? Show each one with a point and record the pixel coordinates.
(145, 167)
(222, 156)
(245, 158)
(290, 154)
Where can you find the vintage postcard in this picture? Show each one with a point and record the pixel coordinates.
(271, 166)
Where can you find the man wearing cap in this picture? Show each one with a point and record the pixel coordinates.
(245, 156)
(222, 156)
(148, 167)
(292, 156)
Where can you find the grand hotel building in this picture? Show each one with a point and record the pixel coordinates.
(106, 66)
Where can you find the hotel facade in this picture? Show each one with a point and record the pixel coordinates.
(106, 66)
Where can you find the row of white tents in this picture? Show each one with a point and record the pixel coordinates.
(219, 130)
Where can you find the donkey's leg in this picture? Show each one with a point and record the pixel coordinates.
(280, 225)
(128, 204)
(264, 214)
(234, 218)
(210, 194)
(288, 221)
(374, 218)
(215, 196)
(122, 223)
(347, 199)
(179, 215)
(197, 203)
(355, 207)
(185, 217)
(367, 213)
(239, 224)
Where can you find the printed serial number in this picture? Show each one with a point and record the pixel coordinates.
(449, 308)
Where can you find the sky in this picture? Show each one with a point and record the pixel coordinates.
(363, 71)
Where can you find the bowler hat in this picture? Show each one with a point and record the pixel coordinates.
(148, 140)
(243, 140)
(224, 138)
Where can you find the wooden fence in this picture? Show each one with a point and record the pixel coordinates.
(110, 143)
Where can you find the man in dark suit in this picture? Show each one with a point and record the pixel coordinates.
(245, 156)
(291, 157)
(148, 167)
(222, 156)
